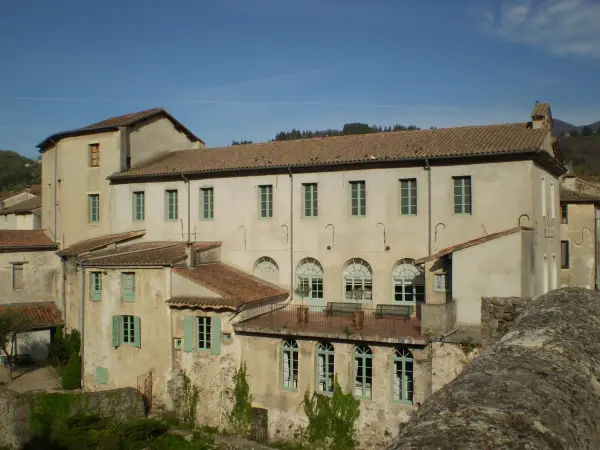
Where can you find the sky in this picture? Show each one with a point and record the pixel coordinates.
(247, 69)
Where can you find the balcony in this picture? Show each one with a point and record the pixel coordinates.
(327, 322)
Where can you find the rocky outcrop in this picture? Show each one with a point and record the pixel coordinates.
(498, 315)
(537, 387)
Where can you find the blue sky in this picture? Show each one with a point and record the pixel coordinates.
(246, 69)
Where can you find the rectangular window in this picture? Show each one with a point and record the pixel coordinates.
(403, 377)
(462, 195)
(325, 369)
(564, 255)
(171, 205)
(289, 363)
(363, 374)
(265, 201)
(440, 283)
(129, 332)
(128, 286)
(94, 208)
(552, 206)
(96, 286)
(564, 214)
(17, 276)
(311, 200)
(358, 198)
(358, 289)
(207, 203)
(310, 286)
(94, 150)
(408, 197)
(139, 206)
(406, 291)
(543, 197)
(204, 333)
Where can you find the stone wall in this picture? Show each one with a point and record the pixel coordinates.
(537, 387)
(498, 315)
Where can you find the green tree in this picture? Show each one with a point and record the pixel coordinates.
(16, 171)
(574, 133)
(71, 376)
(587, 131)
(241, 413)
(242, 142)
(11, 324)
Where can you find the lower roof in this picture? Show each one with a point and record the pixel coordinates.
(24, 207)
(37, 315)
(99, 242)
(28, 240)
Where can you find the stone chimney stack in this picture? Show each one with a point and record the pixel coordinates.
(190, 254)
(541, 116)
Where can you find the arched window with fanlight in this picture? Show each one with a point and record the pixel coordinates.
(309, 281)
(357, 277)
(402, 376)
(267, 269)
(363, 372)
(408, 282)
(289, 364)
(325, 368)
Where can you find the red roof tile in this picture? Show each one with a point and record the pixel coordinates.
(39, 315)
(13, 240)
(471, 243)
(99, 242)
(235, 287)
(366, 148)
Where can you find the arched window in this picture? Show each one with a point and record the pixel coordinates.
(289, 364)
(325, 368)
(309, 275)
(403, 376)
(409, 282)
(358, 280)
(266, 268)
(363, 371)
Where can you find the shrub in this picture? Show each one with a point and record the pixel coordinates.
(241, 414)
(71, 377)
(63, 345)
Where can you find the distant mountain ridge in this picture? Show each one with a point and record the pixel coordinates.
(559, 127)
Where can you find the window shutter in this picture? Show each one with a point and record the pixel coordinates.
(116, 331)
(138, 331)
(188, 333)
(215, 345)
(101, 375)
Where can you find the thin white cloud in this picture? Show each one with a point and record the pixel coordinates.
(562, 27)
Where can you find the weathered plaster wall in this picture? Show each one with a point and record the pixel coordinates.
(40, 277)
(19, 222)
(380, 416)
(579, 232)
(535, 388)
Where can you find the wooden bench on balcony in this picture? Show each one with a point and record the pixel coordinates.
(394, 310)
(342, 308)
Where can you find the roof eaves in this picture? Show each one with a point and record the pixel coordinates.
(53, 139)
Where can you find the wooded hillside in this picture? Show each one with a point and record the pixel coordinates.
(16, 171)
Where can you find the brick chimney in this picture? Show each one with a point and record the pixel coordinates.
(541, 116)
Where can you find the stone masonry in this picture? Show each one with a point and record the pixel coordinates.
(537, 387)
(498, 315)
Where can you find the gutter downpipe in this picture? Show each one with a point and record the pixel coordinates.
(291, 234)
(64, 289)
(187, 181)
(428, 169)
(55, 195)
(597, 220)
(82, 320)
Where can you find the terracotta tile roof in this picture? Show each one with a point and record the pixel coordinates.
(14, 240)
(540, 110)
(567, 195)
(235, 287)
(113, 124)
(28, 206)
(576, 190)
(471, 243)
(99, 242)
(366, 148)
(39, 315)
(145, 254)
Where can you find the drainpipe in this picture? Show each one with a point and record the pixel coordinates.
(82, 320)
(428, 169)
(64, 289)
(291, 233)
(55, 181)
(596, 232)
(187, 181)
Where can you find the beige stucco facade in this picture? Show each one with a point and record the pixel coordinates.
(40, 276)
(29, 221)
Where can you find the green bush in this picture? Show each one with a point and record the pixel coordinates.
(63, 345)
(71, 377)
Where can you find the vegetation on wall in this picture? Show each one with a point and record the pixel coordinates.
(64, 356)
(189, 400)
(240, 416)
(331, 419)
(16, 171)
(11, 324)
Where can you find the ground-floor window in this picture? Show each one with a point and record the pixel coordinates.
(204, 333)
(325, 368)
(403, 376)
(289, 362)
(126, 330)
(363, 372)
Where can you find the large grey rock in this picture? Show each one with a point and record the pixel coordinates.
(538, 387)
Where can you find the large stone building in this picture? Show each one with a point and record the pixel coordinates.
(351, 256)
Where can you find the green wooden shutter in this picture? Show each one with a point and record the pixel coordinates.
(138, 331)
(101, 375)
(215, 345)
(116, 331)
(188, 333)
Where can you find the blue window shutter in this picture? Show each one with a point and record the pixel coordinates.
(116, 331)
(215, 345)
(188, 333)
(138, 331)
